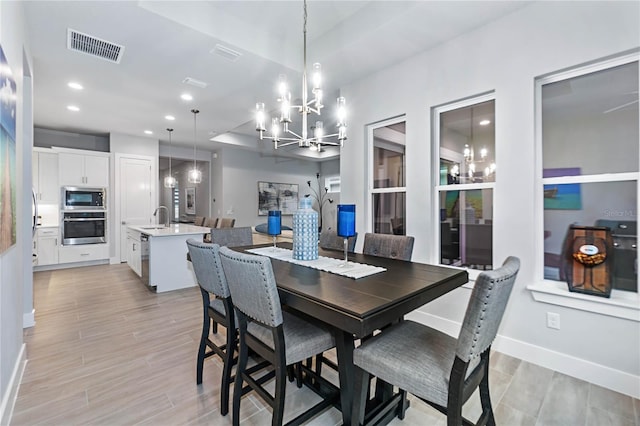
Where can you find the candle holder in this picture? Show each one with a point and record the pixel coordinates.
(274, 225)
(346, 226)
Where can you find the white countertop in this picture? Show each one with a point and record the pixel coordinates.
(174, 229)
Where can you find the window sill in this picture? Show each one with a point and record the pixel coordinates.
(622, 304)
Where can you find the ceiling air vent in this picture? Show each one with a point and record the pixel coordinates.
(226, 52)
(89, 45)
(194, 82)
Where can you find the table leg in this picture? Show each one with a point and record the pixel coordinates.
(344, 352)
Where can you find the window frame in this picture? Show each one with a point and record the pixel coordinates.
(437, 188)
(621, 304)
(369, 222)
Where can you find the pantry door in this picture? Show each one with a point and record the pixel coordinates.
(136, 196)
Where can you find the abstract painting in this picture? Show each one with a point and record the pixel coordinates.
(8, 95)
(277, 196)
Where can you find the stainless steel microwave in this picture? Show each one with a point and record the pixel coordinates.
(75, 198)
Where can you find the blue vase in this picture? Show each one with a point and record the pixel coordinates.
(305, 231)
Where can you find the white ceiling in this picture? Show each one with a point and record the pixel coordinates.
(167, 41)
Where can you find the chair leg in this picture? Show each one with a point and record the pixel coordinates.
(226, 372)
(214, 329)
(485, 398)
(298, 370)
(278, 403)
(237, 389)
(360, 392)
(206, 322)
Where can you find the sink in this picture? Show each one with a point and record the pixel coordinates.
(153, 228)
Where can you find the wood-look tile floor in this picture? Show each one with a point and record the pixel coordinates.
(107, 351)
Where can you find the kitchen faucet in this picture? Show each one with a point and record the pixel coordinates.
(167, 212)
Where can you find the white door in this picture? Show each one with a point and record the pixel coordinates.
(135, 196)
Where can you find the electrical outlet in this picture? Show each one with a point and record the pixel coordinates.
(553, 320)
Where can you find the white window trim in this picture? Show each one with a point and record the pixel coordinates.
(621, 304)
(438, 153)
(370, 189)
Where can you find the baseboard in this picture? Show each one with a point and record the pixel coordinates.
(29, 319)
(11, 394)
(588, 371)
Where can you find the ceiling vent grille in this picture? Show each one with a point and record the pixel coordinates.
(226, 52)
(89, 45)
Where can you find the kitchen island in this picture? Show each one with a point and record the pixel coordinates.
(158, 254)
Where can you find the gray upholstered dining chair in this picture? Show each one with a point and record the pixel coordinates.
(232, 237)
(211, 279)
(277, 336)
(439, 369)
(329, 239)
(391, 246)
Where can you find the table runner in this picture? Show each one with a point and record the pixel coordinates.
(328, 264)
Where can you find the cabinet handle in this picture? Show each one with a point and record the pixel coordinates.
(84, 254)
(134, 246)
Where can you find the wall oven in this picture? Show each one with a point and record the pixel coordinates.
(87, 227)
(75, 198)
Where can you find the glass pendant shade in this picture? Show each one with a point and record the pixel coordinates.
(169, 180)
(195, 175)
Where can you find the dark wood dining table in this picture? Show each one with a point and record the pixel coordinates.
(355, 308)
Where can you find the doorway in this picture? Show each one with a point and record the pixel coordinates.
(175, 199)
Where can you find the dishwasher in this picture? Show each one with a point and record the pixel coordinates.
(144, 258)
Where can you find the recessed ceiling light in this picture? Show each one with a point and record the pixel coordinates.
(75, 86)
(485, 122)
(186, 97)
(148, 132)
(169, 117)
(73, 108)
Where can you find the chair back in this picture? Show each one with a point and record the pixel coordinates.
(207, 267)
(486, 308)
(253, 286)
(390, 246)
(210, 222)
(232, 237)
(329, 239)
(198, 221)
(226, 222)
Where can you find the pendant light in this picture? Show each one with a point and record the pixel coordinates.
(169, 180)
(195, 175)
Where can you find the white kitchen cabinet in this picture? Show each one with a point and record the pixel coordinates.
(83, 253)
(134, 254)
(83, 170)
(47, 245)
(45, 177)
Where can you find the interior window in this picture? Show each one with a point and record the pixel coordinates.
(387, 185)
(467, 172)
(589, 136)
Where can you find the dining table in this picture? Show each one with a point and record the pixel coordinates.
(356, 308)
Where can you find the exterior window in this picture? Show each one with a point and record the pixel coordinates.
(387, 177)
(588, 137)
(465, 133)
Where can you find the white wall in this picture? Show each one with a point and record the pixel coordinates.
(12, 261)
(241, 171)
(504, 57)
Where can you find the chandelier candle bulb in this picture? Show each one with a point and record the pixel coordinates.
(260, 118)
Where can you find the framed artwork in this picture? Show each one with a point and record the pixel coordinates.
(277, 196)
(190, 201)
(564, 196)
(8, 95)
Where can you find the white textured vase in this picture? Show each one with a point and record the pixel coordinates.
(305, 231)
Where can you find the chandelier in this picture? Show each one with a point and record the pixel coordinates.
(281, 133)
